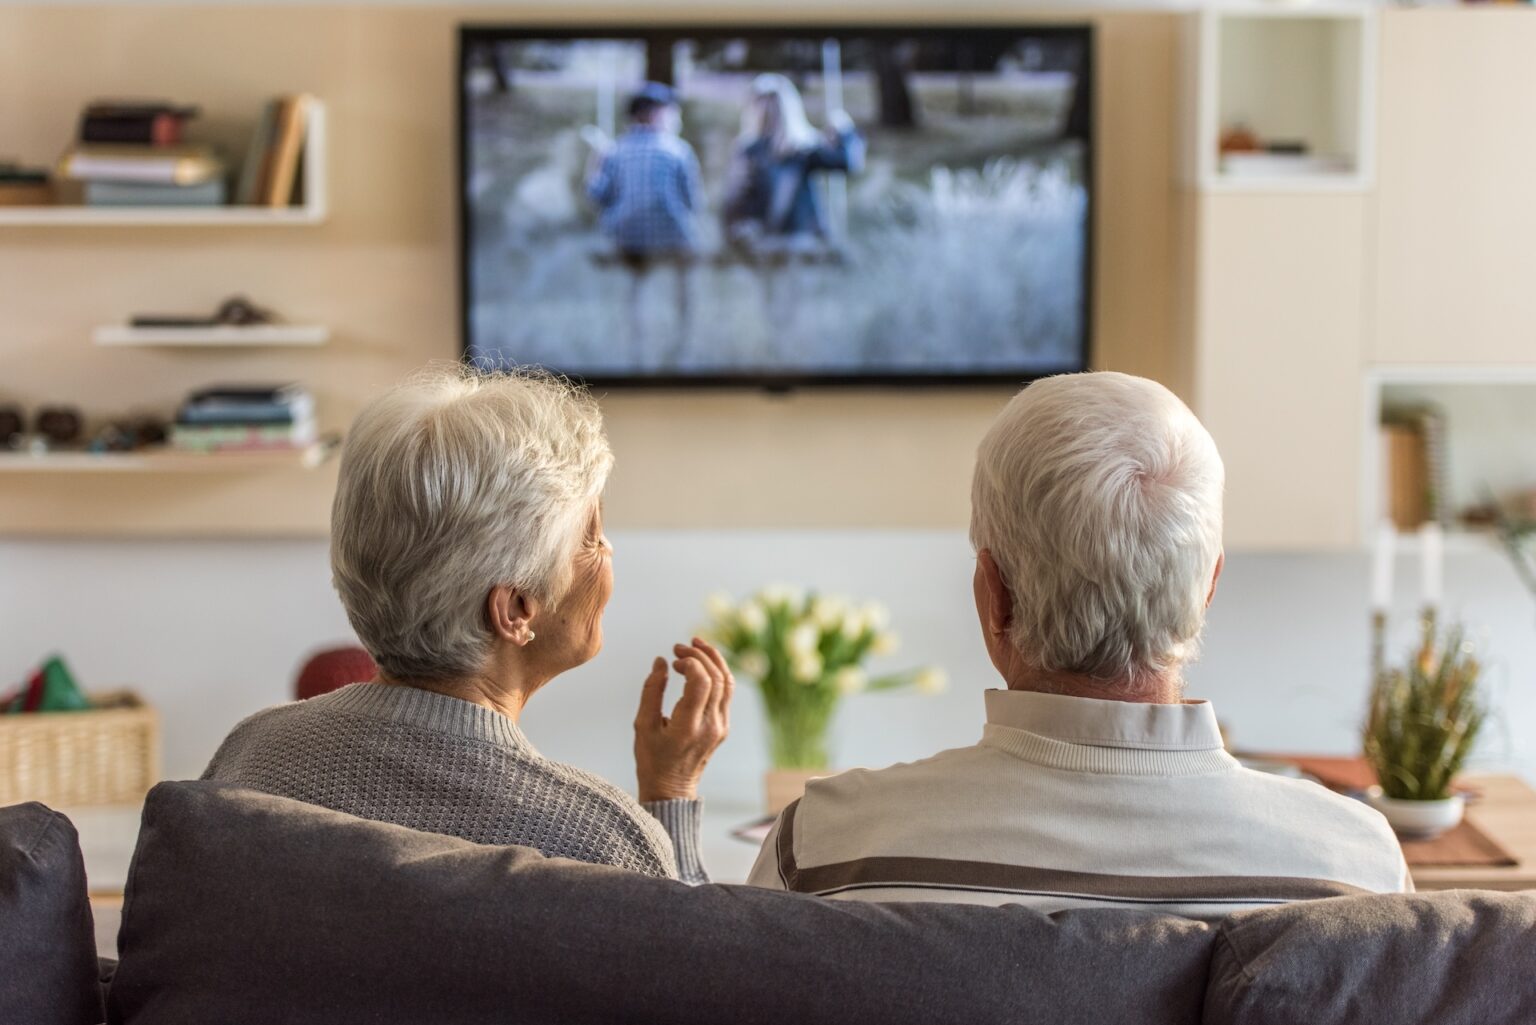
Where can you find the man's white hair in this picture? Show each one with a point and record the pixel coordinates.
(1099, 497)
(452, 484)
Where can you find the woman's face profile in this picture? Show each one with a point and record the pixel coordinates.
(580, 615)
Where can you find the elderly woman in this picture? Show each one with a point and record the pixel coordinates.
(467, 547)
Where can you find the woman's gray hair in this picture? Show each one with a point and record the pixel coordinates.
(451, 484)
(1099, 497)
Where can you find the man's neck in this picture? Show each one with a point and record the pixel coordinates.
(1164, 690)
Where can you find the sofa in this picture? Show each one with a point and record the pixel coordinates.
(242, 907)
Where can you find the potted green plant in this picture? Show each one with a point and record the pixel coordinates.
(1423, 720)
(806, 652)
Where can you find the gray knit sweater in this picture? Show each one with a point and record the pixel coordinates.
(442, 765)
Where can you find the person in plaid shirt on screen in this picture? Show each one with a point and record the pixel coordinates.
(647, 189)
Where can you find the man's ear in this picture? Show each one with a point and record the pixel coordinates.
(998, 614)
(510, 613)
(1221, 561)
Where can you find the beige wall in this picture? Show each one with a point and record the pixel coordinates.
(1454, 203)
(381, 272)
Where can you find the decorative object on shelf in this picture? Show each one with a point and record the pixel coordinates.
(1422, 721)
(131, 435)
(236, 311)
(806, 652)
(13, 426)
(59, 425)
(24, 186)
(227, 418)
(332, 669)
(1239, 138)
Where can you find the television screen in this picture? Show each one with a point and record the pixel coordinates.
(786, 206)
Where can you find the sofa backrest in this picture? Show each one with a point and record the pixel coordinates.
(48, 967)
(1453, 958)
(243, 907)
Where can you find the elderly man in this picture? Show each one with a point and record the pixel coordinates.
(647, 188)
(1096, 518)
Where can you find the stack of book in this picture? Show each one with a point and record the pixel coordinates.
(133, 154)
(246, 418)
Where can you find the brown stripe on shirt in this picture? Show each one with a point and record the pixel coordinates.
(955, 874)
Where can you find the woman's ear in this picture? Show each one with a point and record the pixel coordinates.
(997, 611)
(510, 613)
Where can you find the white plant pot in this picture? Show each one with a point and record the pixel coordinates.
(1418, 820)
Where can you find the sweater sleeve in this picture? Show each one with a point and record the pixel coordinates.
(682, 819)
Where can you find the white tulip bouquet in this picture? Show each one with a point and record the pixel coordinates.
(805, 652)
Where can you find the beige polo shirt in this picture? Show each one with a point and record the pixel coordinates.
(1074, 802)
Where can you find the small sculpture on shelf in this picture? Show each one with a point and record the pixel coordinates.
(236, 311)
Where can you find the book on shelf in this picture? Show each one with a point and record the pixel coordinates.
(269, 175)
(109, 193)
(165, 165)
(242, 437)
(1413, 468)
(1405, 475)
(147, 123)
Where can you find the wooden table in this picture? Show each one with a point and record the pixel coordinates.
(1507, 813)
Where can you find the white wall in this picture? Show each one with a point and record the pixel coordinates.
(210, 631)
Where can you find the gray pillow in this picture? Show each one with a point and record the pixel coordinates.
(242, 907)
(1465, 956)
(48, 970)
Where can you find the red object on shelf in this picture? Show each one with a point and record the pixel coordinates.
(333, 669)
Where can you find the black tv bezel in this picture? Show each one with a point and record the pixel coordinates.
(473, 33)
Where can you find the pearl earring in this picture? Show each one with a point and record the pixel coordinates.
(531, 636)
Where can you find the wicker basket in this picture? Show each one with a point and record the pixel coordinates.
(109, 754)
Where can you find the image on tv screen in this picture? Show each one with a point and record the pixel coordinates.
(747, 206)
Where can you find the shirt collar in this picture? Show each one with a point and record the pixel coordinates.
(1190, 726)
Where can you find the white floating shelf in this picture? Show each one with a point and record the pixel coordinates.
(167, 460)
(154, 217)
(222, 335)
(312, 211)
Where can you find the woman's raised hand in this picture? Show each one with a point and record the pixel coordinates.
(671, 751)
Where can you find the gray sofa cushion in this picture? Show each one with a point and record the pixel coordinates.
(48, 971)
(243, 907)
(1405, 959)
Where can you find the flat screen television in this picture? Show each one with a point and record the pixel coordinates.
(777, 206)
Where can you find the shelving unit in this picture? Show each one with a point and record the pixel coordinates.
(213, 337)
(171, 461)
(1304, 74)
(313, 210)
(1490, 415)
